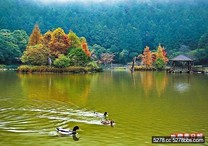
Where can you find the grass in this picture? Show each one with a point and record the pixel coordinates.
(144, 68)
(120, 68)
(71, 69)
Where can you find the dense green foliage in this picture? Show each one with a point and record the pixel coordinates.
(202, 52)
(12, 45)
(78, 57)
(62, 61)
(159, 64)
(123, 28)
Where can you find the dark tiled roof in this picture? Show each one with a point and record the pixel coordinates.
(181, 58)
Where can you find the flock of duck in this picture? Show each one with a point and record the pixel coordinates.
(104, 121)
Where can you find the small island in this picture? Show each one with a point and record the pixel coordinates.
(150, 61)
(57, 52)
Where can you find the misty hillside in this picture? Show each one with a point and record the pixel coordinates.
(123, 27)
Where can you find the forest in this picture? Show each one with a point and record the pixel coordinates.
(123, 29)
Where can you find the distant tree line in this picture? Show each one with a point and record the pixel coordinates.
(122, 30)
(12, 45)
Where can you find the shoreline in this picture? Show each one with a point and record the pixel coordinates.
(48, 69)
(79, 69)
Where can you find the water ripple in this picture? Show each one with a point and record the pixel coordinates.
(38, 119)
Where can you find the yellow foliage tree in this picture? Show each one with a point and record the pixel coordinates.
(161, 53)
(47, 38)
(74, 40)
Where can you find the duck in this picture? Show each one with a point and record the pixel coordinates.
(67, 131)
(108, 122)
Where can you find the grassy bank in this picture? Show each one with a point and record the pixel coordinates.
(143, 68)
(42, 69)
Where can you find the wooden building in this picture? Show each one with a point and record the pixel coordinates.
(181, 64)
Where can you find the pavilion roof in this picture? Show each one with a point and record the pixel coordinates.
(181, 58)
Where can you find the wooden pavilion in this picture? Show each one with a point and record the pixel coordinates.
(181, 64)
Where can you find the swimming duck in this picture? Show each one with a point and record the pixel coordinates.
(66, 131)
(108, 122)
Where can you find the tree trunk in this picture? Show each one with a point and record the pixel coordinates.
(133, 62)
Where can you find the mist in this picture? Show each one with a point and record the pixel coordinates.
(112, 1)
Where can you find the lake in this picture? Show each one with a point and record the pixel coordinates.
(143, 105)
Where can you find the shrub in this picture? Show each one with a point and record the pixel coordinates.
(24, 68)
(71, 69)
(62, 61)
(144, 68)
(92, 64)
(159, 64)
(78, 57)
(36, 55)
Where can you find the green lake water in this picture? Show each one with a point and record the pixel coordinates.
(143, 105)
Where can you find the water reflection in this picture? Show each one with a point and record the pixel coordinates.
(182, 87)
(154, 80)
(32, 106)
(73, 89)
(75, 138)
(182, 83)
(9, 84)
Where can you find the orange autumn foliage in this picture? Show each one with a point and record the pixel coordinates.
(35, 37)
(147, 57)
(59, 43)
(85, 48)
